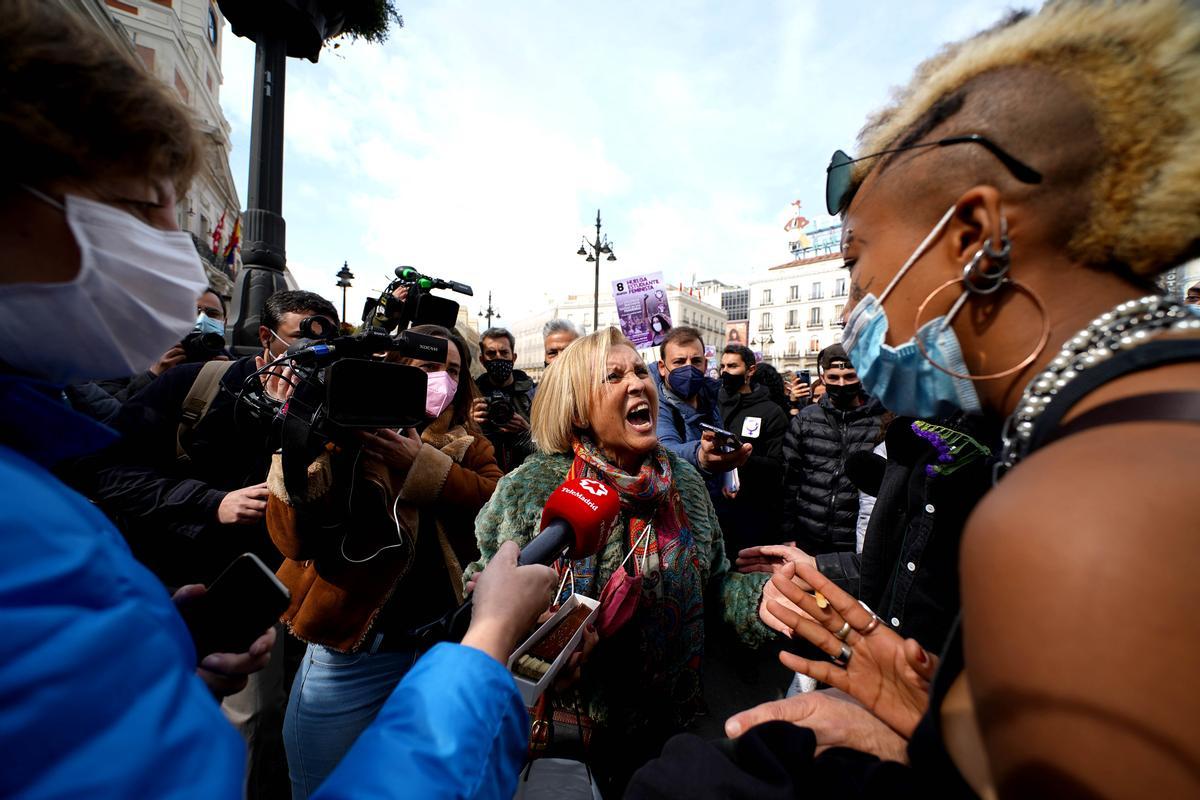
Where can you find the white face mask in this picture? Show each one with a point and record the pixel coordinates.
(134, 297)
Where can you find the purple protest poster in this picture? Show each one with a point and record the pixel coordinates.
(642, 308)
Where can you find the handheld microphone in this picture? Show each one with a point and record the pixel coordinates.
(577, 519)
(426, 282)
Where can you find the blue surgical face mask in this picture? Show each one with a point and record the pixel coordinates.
(900, 377)
(206, 324)
(685, 381)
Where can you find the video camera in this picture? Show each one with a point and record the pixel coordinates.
(342, 383)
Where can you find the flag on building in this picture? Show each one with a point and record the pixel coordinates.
(235, 239)
(216, 239)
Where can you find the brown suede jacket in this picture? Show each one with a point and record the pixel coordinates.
(336, 601)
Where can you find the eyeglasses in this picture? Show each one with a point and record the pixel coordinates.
(838, 174)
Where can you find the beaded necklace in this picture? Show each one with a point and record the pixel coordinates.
(1126, 326)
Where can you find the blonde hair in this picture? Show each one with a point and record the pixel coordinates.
(562, 406)
(1137, 65)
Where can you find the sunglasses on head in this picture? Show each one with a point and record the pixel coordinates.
(838, 173)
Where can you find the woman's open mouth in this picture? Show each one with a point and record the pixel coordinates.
(639, 418)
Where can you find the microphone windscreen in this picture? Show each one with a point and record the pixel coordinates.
(590, 507)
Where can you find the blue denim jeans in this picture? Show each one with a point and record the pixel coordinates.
(335, 696)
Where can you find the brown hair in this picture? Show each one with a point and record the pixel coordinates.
(679, 335)
(466, 393)
(74, 106)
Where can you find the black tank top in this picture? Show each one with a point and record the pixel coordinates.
(926, 749)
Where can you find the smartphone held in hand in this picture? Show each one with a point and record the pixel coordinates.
(237, 608)
(726, 442)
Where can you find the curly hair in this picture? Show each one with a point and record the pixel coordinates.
(1136, 66)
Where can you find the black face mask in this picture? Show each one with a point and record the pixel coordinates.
(844, 397)
(731, 382)
(499, 370)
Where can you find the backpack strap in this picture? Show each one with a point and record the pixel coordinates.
(199, 399)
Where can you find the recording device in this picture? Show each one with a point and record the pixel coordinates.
(500, 409)
(576, 522)
(343, 383)
(726, 442)
(238, 607)
(804, 376)
(198, 347)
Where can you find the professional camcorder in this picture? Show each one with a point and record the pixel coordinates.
(343, 383)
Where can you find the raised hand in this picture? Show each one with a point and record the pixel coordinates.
(772, 595)
(770, 557)
(873, 664)
(836, 723)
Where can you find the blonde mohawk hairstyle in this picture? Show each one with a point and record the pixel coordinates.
(1138, 65)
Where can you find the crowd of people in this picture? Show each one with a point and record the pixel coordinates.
(937, 541)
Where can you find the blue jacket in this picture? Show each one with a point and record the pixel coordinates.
(97, 670)
(678, 426)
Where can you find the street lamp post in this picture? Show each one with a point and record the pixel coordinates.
(344, 277)
(490, 312)
(766, 344)
(593, 251)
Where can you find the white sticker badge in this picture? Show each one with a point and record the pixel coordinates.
(751, 427)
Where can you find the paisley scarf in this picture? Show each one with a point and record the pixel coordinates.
(671, 611)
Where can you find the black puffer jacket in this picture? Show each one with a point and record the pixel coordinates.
(753, 516)
(820, 502)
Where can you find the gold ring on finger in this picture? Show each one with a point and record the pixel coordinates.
(844, 632)
(872, 625)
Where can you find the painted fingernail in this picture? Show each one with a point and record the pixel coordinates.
(821, 601)
(921, 656)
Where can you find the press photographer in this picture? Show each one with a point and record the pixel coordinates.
(102, 400)
(507, 398)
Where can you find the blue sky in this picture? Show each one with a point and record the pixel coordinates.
(478, 142)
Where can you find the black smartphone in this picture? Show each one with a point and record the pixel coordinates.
(726, 442)
(805, 377)
(239, 606)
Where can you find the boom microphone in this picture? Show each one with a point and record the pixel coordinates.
(577, 519)
(426, 282)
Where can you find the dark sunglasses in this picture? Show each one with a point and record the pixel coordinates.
(838, 174)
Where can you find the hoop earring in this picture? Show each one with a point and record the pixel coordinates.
(1020, 287)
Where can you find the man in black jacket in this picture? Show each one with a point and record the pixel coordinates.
(820, 501)
(753, 515)
(186, 519)
(507, 400)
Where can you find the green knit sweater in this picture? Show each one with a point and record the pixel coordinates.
(613, 681)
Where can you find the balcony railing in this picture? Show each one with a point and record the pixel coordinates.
(792, 326)
(816, 324)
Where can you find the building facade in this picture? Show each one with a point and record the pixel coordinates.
(179, 41)
(796, 309)
(686, 309)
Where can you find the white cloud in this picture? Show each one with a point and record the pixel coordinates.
(479, 141)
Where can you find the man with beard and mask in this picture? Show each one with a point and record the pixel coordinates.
(688, 400)
(820, 501)
(503, 411)
(752, 516)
